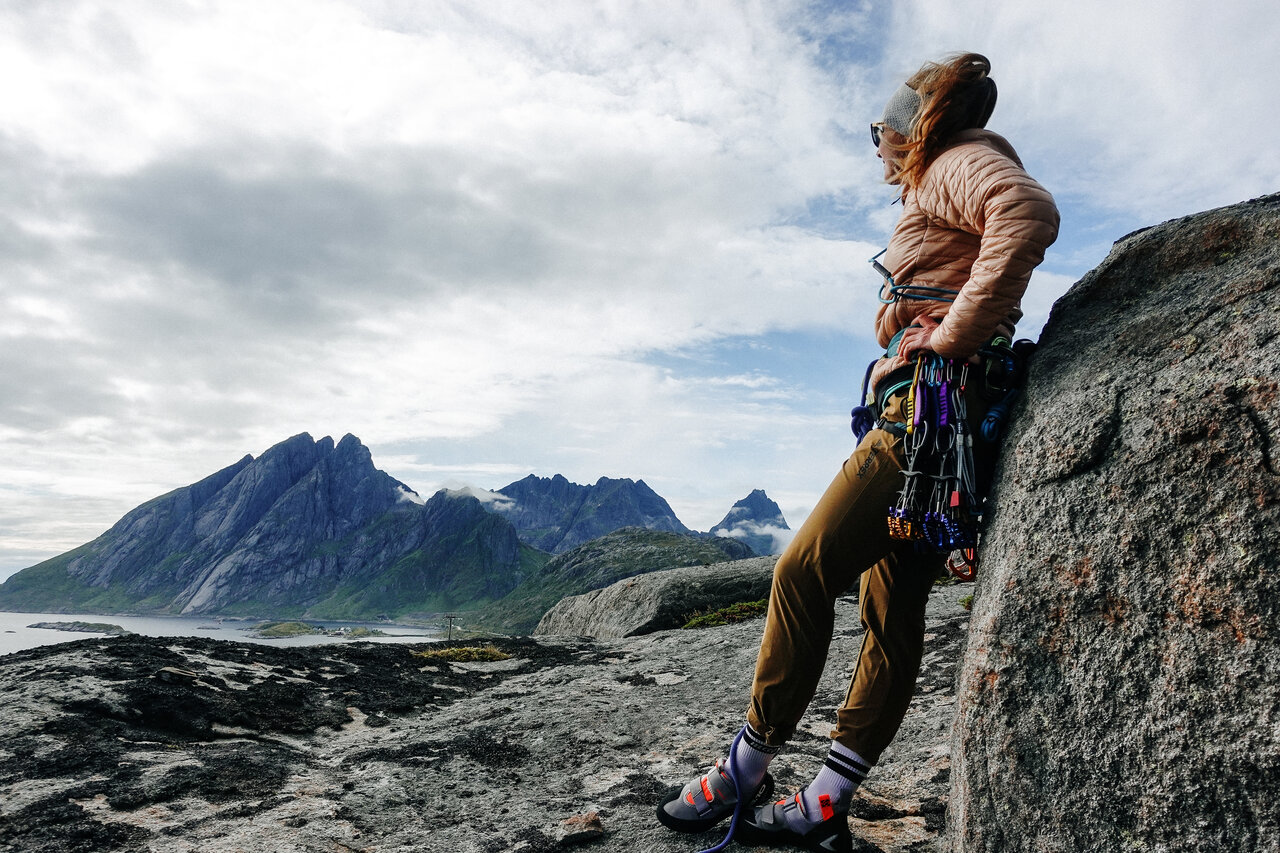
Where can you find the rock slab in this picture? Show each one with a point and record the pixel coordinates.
(178, 745)
(1121, 684)
(658, 600)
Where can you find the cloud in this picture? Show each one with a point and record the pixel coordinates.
(747, 530)
(506, 238)
(495, 499)
(1141, 107)
(409, 496)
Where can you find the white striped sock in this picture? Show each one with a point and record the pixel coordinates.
(840, 776)
(751, 759)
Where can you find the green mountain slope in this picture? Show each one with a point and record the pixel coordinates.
(622, 554)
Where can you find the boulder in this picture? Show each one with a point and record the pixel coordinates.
(1120, 688)
(659, 600)
(594, 565)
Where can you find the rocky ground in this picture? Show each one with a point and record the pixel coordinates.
(163, 744)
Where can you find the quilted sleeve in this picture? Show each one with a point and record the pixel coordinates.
(1016, 220)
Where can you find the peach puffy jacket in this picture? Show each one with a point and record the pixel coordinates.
(976, 225)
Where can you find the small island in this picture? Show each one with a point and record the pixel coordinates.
(285, 630)
(82, 627)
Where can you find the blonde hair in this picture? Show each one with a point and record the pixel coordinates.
(955, 94)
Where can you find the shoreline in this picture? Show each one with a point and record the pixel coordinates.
(17, 633)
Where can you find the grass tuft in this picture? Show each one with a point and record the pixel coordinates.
(465, 654)
(739, 612)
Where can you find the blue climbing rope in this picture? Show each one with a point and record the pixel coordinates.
(737, 792)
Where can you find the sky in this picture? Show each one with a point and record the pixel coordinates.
(494, 239)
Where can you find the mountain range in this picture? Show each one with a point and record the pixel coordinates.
(313, 529)
(555, 515)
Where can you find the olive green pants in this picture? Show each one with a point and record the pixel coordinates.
(844, 538)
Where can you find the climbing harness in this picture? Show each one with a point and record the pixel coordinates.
(940, 506)
(941, 503)
(1005, 367)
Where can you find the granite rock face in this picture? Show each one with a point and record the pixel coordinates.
(658, 601)
(1121, 684)
(757, 522)
(172, 745)
(555, 515)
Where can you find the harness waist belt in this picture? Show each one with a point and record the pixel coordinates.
(895, 382)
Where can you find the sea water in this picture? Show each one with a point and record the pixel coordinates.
(15, 633)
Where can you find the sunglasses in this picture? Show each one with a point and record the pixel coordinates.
(877, 128)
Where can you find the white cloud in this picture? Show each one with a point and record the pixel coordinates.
(780, 536)
(410, 496)
(497, 499)
(1154, 109)
(418, 223)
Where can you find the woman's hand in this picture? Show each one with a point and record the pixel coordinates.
(916, 340)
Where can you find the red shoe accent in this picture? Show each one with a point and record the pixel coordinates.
(688, 798)
(706, 790)
(825, 801)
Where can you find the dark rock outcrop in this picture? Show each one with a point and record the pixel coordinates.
(757, 522)
(623, 553)
(658, 601)
(308, 528)
(1121, 684)
(555, 515)
(125, 745)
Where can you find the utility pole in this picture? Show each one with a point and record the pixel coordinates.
(450, 618)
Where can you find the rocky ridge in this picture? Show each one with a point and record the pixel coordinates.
(631, 552)
(658, 601)
(184, 744)
(555, 515)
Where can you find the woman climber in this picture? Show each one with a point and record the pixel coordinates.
(974, 225)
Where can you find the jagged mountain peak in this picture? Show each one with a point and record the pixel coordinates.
(554, 514)
(757, 521)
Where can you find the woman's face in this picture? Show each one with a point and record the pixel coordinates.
(889, 154)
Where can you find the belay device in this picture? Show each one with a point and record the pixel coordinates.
(941, 502)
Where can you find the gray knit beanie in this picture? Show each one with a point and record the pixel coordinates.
(900, 112)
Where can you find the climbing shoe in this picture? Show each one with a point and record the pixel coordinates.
(707, 800)
(784, 823)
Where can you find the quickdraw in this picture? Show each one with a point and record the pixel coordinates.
(939, 505)
(941, 502)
